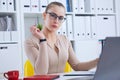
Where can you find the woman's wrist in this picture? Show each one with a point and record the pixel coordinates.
(43, 40)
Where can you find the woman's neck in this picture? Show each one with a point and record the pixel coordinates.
(49, 35)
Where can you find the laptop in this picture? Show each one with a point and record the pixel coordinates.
(108, 67)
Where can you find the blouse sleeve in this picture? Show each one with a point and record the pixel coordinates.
(72, 59)
(38, 55)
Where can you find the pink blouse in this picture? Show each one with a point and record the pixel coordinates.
(45, 59)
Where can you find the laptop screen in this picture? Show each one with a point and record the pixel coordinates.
(108, 67)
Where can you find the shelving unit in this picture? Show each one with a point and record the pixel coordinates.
(10, 36)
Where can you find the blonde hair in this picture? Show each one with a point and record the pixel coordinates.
(52, 4)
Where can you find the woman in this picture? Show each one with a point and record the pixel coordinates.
(48, 51)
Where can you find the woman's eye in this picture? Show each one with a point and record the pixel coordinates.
(61, 18)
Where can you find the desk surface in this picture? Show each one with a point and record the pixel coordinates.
(62, 77)
(76, 77)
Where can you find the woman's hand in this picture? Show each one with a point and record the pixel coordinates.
(36, 32)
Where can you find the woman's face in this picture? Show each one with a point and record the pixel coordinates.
(54, 18)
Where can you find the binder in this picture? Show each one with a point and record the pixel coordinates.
(75, 6)
(68, 6)
(59, 31)
(10, 5)
(105, 6)
(6, 35)
(64, 30)
(89, 6)
(81, 7)
(3, 5)
(93, 27)
(87, 27)
(106, 26)
(35, 5)
(92, 6)
(110, 5)
(43, 5)
(79, 26)
(26, 5)
(70, 26)
(14, 36)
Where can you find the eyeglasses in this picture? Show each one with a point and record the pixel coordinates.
(54, 17)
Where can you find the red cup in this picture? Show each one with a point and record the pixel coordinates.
(12, 75)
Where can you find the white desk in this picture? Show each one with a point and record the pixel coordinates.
(62, 77)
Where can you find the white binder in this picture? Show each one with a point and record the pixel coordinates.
(10, 5)
(93, 27)
(75, 6)
(64, 30)
(7, 36)
(1, 36)
(59, 31)
(70, 26)
(14, 36)
(87, 27)
(3, 5)
(79, 27)
(106, 26)
(105, 6)
(43, 5)
(26, 5)
(81, 7)
(34, 5)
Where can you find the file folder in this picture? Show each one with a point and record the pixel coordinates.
(10, 5)
(3, 5)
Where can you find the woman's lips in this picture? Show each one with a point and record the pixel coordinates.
(54, 26)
